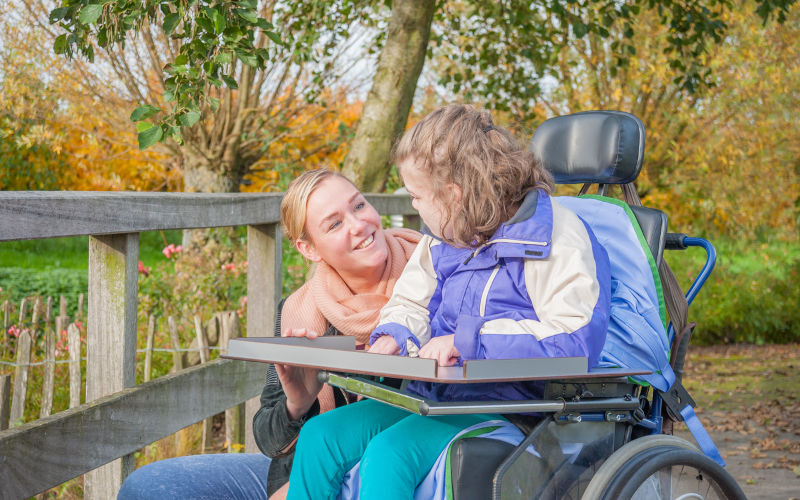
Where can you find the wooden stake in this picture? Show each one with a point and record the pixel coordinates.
(74, 347)
(62, 306)
(49, 371)
(202, 340)
(21, 379)
(148, 352)
(177, 362)
(5, 400)
(234, 417)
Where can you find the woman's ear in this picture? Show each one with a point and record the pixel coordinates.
(307, 250)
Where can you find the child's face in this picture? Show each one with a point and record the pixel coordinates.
(420, 186)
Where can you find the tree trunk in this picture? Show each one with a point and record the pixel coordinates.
(389, 100)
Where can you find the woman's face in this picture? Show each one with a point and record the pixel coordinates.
(420, 186)
(344, 230)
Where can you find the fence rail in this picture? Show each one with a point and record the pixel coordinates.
(120, 417)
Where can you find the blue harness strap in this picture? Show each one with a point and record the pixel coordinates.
(700, 435)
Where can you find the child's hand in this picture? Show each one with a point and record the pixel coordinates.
(442, 349)
(385, 345)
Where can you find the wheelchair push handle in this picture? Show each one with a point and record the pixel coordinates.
(675, 241)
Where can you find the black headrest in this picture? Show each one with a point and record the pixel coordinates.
(604, 147)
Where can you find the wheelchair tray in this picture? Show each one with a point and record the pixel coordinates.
(339, 354)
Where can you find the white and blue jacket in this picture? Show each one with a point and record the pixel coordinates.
(540, 287)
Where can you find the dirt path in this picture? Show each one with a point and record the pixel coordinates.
(748, 398)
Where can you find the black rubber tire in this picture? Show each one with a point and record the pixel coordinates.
(697, 468)
(622, 456)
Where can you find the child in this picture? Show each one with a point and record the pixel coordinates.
(506, 273)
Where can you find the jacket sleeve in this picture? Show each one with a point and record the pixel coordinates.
(274, 431)
(570, 292)
(406, 317)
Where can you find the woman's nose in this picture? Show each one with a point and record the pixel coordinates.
(357, 225)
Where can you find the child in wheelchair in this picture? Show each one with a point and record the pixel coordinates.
(507, 272)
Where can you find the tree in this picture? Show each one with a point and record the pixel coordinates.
(501, 52)
(253, 104)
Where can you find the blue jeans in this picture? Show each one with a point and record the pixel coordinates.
(220, 476)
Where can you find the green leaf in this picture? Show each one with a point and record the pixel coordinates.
(214, 103)
(90, 13)
(189, 118)
(170, 21)
(142, 126)
(143, 112)
(230, 82)
(180, 60)
(223, 57)
(274, 37)
(149, 137)
(58, 14)
(248, 15)
(219, 21)
(247, 58)
(579, 29)
(60, 45)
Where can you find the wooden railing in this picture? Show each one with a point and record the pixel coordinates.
(120, 417)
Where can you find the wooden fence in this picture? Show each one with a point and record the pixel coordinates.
(98, 437)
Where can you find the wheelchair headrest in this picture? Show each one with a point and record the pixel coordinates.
(603, 147)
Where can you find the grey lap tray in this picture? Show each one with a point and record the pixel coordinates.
(339, 354)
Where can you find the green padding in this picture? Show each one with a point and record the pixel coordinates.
(447, 473)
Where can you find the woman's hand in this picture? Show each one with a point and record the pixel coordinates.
(385, 345)
(442, 349)
(300, 385)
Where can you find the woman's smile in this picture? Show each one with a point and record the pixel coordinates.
(367, 242)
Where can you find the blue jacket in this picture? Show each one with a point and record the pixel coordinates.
(539, 288)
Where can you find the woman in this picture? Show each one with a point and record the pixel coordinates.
(357, 263)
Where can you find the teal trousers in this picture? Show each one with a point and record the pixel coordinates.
(396, 448)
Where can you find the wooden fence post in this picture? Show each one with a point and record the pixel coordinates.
(234, 417)
(202, 344)
(62, 306)
(49, 371)
(6, 324)
(263, 294)
(148, 351)
(21, 378)
(111, 339)
(22, 306)
(5, 401)
(74, 348)
(177, 361)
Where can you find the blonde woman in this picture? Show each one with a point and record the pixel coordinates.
(357, 264)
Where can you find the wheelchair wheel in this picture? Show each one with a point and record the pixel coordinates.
(672, 473)
(622, 456)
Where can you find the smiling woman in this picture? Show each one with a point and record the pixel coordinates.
(357, 264)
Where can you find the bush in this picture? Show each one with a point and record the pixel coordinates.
(752, 296)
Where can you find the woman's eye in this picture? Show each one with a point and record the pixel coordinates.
(360, 205)
(334, 225)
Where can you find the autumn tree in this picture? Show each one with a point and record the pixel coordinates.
(248, 97)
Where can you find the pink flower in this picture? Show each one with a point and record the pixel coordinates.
(143, 269)
(13, 331)
(171, 249)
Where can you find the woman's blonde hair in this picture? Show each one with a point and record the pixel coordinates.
(458, 144)
(295, 202)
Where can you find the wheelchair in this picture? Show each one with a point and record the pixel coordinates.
(596, 438)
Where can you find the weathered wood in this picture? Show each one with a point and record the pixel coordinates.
(5, 400)
(37, 314)
(22, 310)
(74, 348)
(43, 214)
(202, 340)
(6, 315)
(234, 417)
(49, 371)
(263, 295)
(111, 338)
(148, 351)
(79, 315)
(48, 314)
(177, 361)
(62, 306)
(49, 451)
(21, 378)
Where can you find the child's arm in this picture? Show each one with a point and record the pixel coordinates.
(570, 293)
(406, 317)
